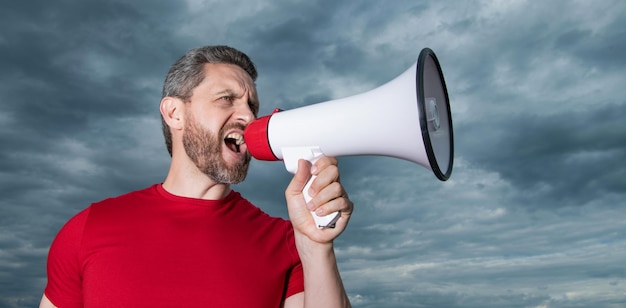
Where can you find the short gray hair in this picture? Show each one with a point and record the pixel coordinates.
(188, 72)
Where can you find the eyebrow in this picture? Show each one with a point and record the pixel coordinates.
(228, 92)
(251, 98)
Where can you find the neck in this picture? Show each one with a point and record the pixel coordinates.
(188, 181)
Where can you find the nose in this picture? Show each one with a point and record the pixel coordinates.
(244, 114)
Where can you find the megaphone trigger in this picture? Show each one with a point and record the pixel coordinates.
(291, 156)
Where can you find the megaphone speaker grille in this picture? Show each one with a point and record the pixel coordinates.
(435, 116)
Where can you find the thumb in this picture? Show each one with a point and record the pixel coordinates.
(299, 215)
(300, 179)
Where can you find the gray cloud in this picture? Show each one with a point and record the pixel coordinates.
(531, 217)
(568, 158)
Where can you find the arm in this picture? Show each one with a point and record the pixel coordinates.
(46, 303)
(322, 281)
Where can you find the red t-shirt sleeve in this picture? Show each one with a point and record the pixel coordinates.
(295, 281)
(64, 288)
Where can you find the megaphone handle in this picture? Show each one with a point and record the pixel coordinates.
(322, 222)
(291, 155)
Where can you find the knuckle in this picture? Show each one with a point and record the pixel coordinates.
(334, 169)
(334, 161)
(336, 189)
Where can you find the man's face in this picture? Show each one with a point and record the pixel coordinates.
(219, 109)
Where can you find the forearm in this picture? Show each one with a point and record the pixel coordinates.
(322, 282)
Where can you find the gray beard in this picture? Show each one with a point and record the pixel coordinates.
(205, 150)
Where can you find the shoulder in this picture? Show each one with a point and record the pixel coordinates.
(125, 202)
(267, 228)
(244, 205)
(71, 232)
(137, 195)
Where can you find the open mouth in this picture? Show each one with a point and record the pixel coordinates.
(234, 141)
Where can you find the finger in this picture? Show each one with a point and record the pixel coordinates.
(343, 205)
(328, 193)
(322, 163)
(325, 177)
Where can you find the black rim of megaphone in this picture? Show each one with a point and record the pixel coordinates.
(423, 121)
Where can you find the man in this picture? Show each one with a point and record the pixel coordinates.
(192, 241)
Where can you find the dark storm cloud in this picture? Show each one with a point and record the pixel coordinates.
(309, 41)
(565, 159)
(531, 216)
(601, 48)
(72, 65)
(61, 78)
(57, 51)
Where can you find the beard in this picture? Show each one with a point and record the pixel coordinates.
(204, 148)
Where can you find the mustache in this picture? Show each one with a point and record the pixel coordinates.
(230, 126)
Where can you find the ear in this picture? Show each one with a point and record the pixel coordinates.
(172, 112)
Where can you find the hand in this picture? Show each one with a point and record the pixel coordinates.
(328, 196)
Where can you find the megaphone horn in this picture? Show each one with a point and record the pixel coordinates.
(408, 118)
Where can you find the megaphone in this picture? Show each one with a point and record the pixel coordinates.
(408, 118)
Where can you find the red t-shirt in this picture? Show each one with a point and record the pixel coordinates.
(150, 248)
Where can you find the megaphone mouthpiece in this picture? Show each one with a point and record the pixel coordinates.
(257, 139)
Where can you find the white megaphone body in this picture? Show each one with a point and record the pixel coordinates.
(408, 118)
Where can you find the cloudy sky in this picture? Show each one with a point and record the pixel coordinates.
(532, 216)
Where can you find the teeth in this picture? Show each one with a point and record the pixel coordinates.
(238, 138)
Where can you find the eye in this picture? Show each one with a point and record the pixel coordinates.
(227, 98)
